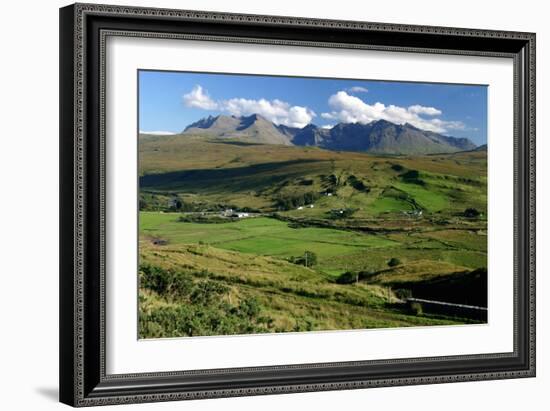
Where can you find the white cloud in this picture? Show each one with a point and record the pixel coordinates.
(358, 89)
(277, 111)
(329, 116)
(429, 111)
(449, 125)
(157, 133)
(351, 109)
(327, 126)
(197, 98)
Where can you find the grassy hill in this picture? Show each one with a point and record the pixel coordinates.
(256, 176)
(390, 222)
(240, 295)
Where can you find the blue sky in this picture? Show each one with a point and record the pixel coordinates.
(169, 101)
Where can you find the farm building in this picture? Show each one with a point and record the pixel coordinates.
(240, 215)
(228, 212)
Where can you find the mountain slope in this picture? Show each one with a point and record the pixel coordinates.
(290, 132)
(253, 128)
(481, 148)
(379, 136)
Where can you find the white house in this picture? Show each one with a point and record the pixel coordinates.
(227, 212)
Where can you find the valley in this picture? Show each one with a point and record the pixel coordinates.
(243, 235)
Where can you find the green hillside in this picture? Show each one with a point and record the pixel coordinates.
(282, 229)
(240, 295)
(256, 176)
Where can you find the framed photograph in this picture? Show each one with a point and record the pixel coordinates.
(261, 204)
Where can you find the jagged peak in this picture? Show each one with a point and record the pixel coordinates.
(383, 123)
(310, 126)
(409, 125)
(253, 117)
(353, 136)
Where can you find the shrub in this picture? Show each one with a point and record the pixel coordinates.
(289, 202)
(413, 177)
(206, 292)
(154, 278)
(177, 204)
(331, 179)
(471, 213)
(174, 284)
(196, 306)
(411, 174)
(393, 262)
(249, 307)
(349, 277)
(357, 184)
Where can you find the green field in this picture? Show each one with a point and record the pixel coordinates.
(263, 236)
(310, 221)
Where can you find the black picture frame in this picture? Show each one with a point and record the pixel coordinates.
(83, 29)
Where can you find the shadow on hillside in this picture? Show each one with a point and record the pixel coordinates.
(251, 177)
(235, 143)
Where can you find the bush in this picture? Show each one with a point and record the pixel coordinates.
(357, 184)
(218, 318)
(413, 177)
(205, 292)
(349, 277)
(197, 306)
(331, 179)
(154, 278)
(393, 262)
(177, 285)
(177, 204)
(249, 308)
(290, 202)
(471, 213)
(309, 259)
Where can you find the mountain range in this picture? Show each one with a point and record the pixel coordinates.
(379, 136)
